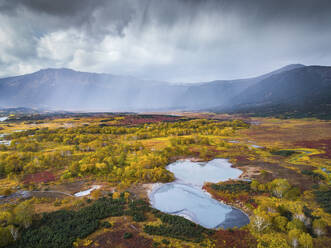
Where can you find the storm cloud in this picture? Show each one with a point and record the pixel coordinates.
(177, 40)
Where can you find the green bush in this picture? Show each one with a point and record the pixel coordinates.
(177, 227)
(166, 242)
(106, 224)
(323, 197)
(314, 175)
(235, 187)
(61, 228)
(127, 235)
(284, 153)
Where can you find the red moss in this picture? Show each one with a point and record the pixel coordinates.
(40, 177)
(322, 144)
(133, 120)
(242, 159)
(116, 239)
(236, 238)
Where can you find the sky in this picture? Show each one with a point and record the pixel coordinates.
(166, 40)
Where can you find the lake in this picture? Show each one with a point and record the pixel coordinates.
(185, 196)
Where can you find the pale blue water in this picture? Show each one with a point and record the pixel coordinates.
(197, 174)
(192, 203)
(185, 196)
(3, 118)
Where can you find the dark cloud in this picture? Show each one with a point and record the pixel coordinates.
(94, 17)
(255, 12)
(61, 7)
(188, 40)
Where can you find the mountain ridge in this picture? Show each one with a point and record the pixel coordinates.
(67, 89)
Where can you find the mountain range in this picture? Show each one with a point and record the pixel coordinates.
(292, 88)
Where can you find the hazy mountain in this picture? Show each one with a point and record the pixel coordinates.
(65, 89)
(222, 92)
(292, 87)
(303, 89)
(69, 89)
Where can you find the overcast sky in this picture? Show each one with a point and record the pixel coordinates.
(168, 40)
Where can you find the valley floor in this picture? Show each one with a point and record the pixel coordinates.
(285, 190)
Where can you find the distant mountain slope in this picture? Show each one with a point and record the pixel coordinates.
(305, 89)
(222, 92)
(292, 87)
(69, 89)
